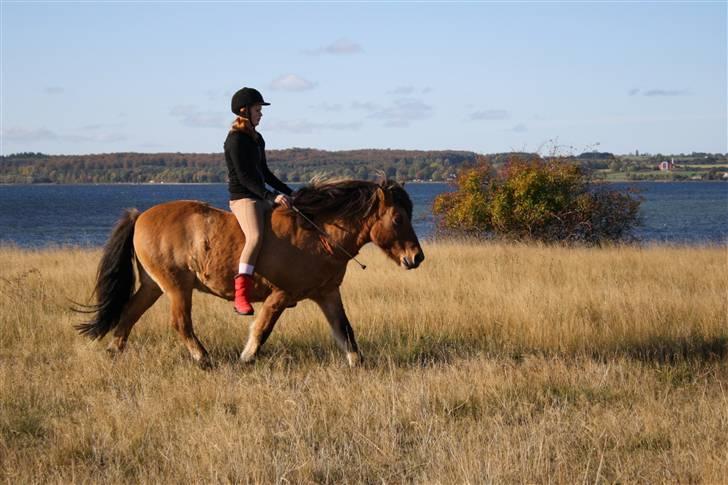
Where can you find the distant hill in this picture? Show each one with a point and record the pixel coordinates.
(302, 164)
(293, 165)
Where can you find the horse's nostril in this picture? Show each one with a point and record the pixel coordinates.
(419, 257)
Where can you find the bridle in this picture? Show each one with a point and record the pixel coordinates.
(326, 239)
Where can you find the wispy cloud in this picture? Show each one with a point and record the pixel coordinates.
(15, 133)
(666, 92)
(399, 113)
(365, 106)
(192, 116)
(292, 82)
(94, 138)
(402, 112)
(402, 90)
(658, 92)
(54, 90)
(490, 114)
(519, 128)
(19, 134)
(340, 47)
(305, 126)
(102, 126)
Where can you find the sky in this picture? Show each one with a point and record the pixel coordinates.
(93, 77)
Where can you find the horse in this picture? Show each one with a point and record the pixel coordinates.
(181, 246)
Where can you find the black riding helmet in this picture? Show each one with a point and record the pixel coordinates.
(246, 97)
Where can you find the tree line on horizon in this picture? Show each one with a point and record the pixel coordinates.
(291, 165)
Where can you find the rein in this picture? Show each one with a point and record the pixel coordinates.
(326, 240)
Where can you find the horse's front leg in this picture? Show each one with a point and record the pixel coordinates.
(341, 329)
(261, 328)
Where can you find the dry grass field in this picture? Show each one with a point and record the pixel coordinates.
(490, 363)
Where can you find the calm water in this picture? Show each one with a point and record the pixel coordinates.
(39, 215)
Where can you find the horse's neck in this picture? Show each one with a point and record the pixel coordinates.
(351, 235)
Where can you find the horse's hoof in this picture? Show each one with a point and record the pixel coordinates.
(205, 363)
(114, 350)
(355, 359)
(246, 358)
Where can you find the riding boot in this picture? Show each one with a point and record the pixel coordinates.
(243, 289)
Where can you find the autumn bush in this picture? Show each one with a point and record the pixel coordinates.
(536, 199)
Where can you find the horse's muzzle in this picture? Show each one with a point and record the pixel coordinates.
(412, 261)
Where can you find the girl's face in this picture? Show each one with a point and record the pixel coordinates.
(256, 113)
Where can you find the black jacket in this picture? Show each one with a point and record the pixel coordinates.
(248, 169)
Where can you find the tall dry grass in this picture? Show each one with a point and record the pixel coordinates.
(490, 363)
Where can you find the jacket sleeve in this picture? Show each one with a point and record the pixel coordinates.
(270, 178)
(240, 155)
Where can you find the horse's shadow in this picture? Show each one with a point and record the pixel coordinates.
(427, 350)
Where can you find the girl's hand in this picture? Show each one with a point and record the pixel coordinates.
(283, 200)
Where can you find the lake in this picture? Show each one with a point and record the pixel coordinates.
(40, 215)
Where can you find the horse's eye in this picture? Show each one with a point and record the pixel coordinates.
(397, 219)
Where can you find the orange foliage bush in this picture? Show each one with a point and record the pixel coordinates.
(536, 199)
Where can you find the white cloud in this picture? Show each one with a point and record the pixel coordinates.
(519, 128)
(54, 90)
(339, 47)
(489, 114)
(292, 82)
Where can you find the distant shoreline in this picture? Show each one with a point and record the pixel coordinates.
(625, 181)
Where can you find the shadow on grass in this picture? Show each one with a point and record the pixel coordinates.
(664, 350)
(395, 348)
(426, 350)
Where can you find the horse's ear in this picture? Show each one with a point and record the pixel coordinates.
(384, 197)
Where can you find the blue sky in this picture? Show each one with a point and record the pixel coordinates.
(487, 77)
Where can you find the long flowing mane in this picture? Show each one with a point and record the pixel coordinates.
(347, 198)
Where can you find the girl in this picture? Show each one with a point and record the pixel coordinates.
(249, 198)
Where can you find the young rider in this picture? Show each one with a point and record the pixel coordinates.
(249, 198)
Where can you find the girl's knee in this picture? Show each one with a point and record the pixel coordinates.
(253, 242)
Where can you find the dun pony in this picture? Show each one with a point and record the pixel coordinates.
(181, 246)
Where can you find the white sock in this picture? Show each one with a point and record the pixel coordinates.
(245, 269)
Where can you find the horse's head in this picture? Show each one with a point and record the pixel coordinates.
(392, 229)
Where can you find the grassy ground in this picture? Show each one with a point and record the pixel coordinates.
(492, 363)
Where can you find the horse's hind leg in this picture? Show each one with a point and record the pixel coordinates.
(145, 296)
(180, 299)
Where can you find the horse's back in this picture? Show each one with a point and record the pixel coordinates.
(186, 239)
(186, 236)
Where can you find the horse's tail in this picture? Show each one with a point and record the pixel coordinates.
(114, 280)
